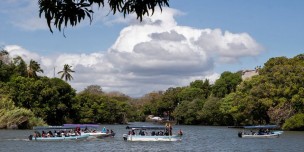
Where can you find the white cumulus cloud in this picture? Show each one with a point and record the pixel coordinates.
(152, 55)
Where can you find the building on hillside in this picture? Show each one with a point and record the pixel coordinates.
(247, 74)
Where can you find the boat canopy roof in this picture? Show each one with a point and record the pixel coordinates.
(146, 127)
(261, 127)
(82, 125)
(53, 127)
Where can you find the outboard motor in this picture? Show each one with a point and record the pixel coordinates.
(240, 134)
(125, 137)
(30, 137)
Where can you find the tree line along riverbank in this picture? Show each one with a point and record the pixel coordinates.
(274, 95)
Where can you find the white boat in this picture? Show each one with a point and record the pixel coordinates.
(151, 133)
(44, 133)
(260, 136)
(263, 131)
(99, 134)
(78, 137)
(92, 130)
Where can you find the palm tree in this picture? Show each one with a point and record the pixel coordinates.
(33, 68)
(66, 72)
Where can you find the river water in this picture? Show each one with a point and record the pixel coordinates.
(196, 138)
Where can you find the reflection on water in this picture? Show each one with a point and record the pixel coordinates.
(196, 138)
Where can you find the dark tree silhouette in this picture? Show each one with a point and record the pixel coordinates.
(64, 12)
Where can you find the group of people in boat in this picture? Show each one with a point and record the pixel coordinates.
(61, 133)
(259, 132)
(167, 132)
(153, 133)
(87, 130)
(69, 132)
(107, 131)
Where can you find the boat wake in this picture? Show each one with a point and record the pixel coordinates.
(18, 139)
(278, 132)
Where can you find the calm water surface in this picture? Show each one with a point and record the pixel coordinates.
(196, 138)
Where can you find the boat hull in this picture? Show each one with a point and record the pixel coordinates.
(99, 134)
(152, 138)
(81, 137)
(260, 136)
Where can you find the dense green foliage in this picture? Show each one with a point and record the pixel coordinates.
(226, 84)
(272, 97)
(50, 99)
(12, 116)
(41, 99)
(295, 122)
(275, 96)
(100, 108)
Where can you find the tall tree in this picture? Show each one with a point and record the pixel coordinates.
(226, 84)
(49, 99)
(5, 68)
(33, 68)
(203, 85)
(20, 67)
(66, 72)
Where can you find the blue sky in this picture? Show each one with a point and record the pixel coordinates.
(191, 40)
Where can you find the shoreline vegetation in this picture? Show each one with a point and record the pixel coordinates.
(271, 94)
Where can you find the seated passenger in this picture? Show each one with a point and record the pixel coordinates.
(167, 133)
(58, 134)
(50, 134)
(37, 134)
(133, 132)
(142, 133)
(43, 134)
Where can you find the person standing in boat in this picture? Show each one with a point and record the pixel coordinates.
(170, 130)
(167, 129)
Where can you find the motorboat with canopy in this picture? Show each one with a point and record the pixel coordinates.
(93, 130)
(261, 131)
(57, 133)
(151, 133)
